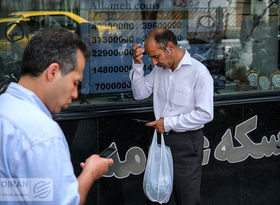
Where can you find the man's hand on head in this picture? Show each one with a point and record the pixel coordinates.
(138, 53)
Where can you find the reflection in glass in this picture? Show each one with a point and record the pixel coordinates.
(237, 40)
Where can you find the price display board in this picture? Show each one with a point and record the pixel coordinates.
(122, 24)
(112, 47)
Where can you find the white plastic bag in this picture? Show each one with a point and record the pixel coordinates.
(158, 177)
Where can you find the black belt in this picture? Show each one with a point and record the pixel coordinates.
(171, 132)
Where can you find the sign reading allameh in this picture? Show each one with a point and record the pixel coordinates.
(26, 189)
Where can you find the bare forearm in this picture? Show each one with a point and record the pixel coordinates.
(93, 168)
(85, 182)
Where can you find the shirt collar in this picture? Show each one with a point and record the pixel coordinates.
(20, 92)
(186, 60)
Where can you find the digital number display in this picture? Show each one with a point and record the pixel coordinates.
(112, 52)
(122, 24)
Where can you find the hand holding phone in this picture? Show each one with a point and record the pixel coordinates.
(108, 152)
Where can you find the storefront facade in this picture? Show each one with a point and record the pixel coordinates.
(238, 41)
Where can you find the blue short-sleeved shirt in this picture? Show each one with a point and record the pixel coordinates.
(32, 145)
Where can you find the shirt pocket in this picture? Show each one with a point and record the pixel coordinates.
(182, 95)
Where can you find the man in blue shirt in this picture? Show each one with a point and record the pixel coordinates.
(35, 165)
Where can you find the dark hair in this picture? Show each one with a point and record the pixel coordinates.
(163, 36)
(56, 45)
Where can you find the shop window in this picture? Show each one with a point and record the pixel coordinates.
(237, 40)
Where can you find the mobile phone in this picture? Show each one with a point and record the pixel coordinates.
(140, 120)
(143, 121)
(108, 152)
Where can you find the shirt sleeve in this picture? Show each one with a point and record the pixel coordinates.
(50, 160)
(202, 112)
(142, 86)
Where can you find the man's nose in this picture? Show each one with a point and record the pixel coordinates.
(154, 61)
(75, 93)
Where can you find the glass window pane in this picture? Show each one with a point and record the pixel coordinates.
(238, 41)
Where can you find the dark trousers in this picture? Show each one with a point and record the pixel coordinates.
(187, 153)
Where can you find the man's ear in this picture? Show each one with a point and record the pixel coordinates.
(53, 71)
(170, 47)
